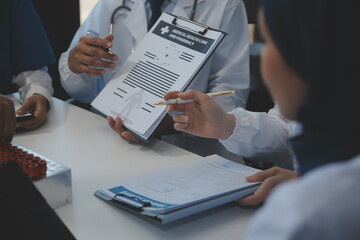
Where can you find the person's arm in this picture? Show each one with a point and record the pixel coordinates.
(7, 119)
(230, 68)
(35, 88)
(260, 135)
(77, 78)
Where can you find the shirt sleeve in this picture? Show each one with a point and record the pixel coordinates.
(262, 136)
(31, 82)
(82, 87)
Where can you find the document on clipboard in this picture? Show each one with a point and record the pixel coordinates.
(168, 195)
(167, 59)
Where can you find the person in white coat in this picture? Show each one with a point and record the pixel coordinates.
(227, 69)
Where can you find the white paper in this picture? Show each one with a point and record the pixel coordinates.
(166, 60)
(184, 185)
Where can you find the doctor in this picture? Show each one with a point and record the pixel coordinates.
(227, 69)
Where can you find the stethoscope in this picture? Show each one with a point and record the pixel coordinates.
(127, 8)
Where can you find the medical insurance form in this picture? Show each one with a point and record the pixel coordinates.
(167, 59)
(184, 190)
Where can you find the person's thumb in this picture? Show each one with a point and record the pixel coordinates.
(25, 107)
(109, 37)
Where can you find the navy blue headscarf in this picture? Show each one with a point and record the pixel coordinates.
(320, 41)
(23, 42)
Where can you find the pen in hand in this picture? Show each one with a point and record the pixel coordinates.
(181, 101)
(108, 50)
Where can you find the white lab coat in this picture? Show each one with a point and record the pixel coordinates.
(323, 204)
(227, 69)
(261, 136)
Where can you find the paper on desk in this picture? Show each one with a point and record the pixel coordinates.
(184, 185)
(166, 60)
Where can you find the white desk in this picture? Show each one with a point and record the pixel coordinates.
(97, 157)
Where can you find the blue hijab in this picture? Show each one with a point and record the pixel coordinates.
(320, 41)
(23, 42)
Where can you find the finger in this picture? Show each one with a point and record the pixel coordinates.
(91, 71)
(129, 136)
(175, 108)
(118, 127)
(194, 95)
(263, 175)
(109, 37)
(180, 118)
(254, 199)
(27, 106)
(171, 95)
(111, 122)
(95, 41)
(180, 127)
(263, 191)
(95, 62)
(84, 49)
(29, 124)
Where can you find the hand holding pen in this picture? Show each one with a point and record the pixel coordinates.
(201, 116)
(92, 55)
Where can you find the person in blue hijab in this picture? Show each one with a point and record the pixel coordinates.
(317, 43)
(321, 47)
(312, 68)
(25, 55)
(311, 65)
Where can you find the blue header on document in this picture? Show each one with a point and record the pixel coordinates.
(120, 190)
(183, 37)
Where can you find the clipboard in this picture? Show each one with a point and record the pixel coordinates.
(168, 59)
(162, 198)
(165, 218)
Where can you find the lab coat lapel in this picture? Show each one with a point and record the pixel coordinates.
(136, 22)
(182, 7)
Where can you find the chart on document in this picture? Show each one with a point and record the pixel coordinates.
(167, 59)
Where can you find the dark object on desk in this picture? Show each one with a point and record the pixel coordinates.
(24, 213)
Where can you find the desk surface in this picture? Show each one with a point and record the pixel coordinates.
(97, 157)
